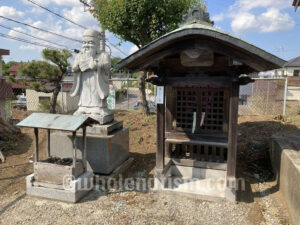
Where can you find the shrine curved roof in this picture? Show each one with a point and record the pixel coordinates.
(269, 60)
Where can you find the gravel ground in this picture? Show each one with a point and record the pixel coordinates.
(122, 208)
(261, 202)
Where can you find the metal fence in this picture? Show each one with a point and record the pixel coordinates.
(263, 97)
(128, 95)
(270, 96)
(267, 96)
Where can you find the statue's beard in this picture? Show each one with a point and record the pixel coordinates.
(89, 52)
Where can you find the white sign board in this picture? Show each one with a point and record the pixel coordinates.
(111, 99)
(160, 95)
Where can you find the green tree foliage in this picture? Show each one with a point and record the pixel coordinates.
(46, 76)
(114, 62)
(141, 21)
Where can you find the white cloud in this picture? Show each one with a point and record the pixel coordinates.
(10, 12)
(246, 5)
(16, 34)
(133, 49)
(273, 20)
(269, 21)
(36, 10)
(243, 22)
(56, 2)
(77, 15)
(30, 48)
(60, 26)
(257, 16)
(218, 17)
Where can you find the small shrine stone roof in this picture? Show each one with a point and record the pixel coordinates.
(56, 121)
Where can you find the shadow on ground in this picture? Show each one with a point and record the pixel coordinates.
(253, 164)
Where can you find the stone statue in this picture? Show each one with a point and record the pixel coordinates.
(90, 69)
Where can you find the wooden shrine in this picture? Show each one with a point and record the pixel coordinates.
(200, 69)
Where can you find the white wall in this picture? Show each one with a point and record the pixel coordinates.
(286, 71)
(64, 99)
(293, 93)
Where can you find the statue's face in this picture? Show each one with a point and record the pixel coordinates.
(89, 43)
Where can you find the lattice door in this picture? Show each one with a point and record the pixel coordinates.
(186, 106)
(210, 106)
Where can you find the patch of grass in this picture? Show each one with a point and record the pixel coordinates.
(293, 119)
(44, 106)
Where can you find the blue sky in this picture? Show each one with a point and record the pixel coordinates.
(272, 25)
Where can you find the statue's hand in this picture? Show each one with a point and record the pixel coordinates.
(84, 65)
(75, 68)
(93, 64)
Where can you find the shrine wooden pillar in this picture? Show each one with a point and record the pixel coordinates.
(160, 138)
(232, 132)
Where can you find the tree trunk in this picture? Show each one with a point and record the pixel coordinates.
(145, 107)
(54, 99)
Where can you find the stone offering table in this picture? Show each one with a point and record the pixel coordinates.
(65, 179)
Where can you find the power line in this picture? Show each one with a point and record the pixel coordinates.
(72, 39)
(27, 41)
(9, 28)
(117, 48)
(40, 29)
(33, 2)
(71, 21)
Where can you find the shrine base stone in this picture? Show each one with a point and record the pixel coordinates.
(104, 152)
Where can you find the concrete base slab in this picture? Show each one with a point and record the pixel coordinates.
(200, 183)
(79, 187)
(104, 152)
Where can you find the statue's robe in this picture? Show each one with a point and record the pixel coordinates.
(92, 86)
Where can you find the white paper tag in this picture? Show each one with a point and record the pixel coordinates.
(160, 95)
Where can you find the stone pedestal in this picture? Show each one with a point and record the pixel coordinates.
(102, 119)
(107, 146)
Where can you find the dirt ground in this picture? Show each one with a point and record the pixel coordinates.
(260, 203)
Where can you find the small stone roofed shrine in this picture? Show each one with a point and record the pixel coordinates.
(199, 69)
(65, 179)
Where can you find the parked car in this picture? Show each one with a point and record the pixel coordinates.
(21, 103)
(151, 105)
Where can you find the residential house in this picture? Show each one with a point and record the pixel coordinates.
(246, 92)
(291, 68)
(18, 87)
